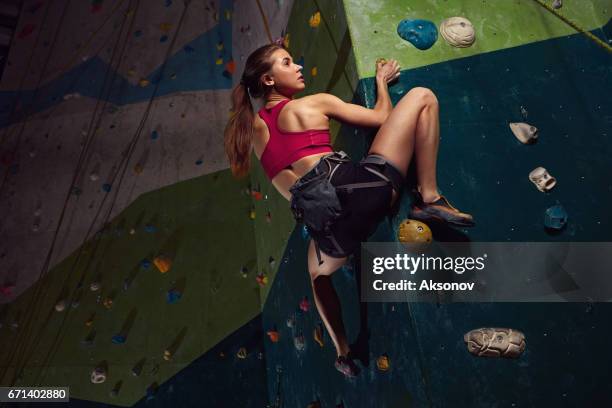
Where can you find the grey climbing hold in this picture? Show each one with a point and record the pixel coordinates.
(137, 369)
(524, 132)
(557, 4)
(299, 342)
(495, 342)
(542, 179)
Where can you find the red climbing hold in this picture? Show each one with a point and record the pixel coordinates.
(305, 304)
(26, 30)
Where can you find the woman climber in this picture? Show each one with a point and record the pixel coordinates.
(340, 201)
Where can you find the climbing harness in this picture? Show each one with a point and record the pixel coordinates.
(314, 199)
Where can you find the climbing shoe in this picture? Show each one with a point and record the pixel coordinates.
(441, 210)
(346, 366)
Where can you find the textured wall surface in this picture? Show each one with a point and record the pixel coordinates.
(111, 154)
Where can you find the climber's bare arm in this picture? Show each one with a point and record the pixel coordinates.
(357, 115)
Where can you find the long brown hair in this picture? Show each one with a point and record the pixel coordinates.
(238, 133)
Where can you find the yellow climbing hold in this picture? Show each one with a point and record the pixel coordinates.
(381, 61)
(143, 83)
(165, 27)
(220, 45)
(318, 335)
(167, 355)
(252, 214)
(108, 303)
(315, 20)
(286, 41)
(242, 353)
(383, 363)
(314, 71)
(412, 231)
(163, 263)
(219, 61)
(228, 15)
(131, 72)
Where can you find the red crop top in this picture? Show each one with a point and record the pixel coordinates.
(284, 148)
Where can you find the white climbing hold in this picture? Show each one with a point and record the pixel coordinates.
(458, 32)
(542, 179)
(94, 176)
(557, 4)
(60, 306)
(74, 95)
(98, 375)
(524, 132)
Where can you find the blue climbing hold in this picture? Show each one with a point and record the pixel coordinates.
(151, 391)
(106, 187)
(199, 162)
(188, 49)
(163, 38)
(173, 296)
(137, 33)
(555, 217)
(301, 61)
(305, 233)
(154, 135)
(420, 33)
(145, 263)
(118, 339)
(168, 3)
(149, 228)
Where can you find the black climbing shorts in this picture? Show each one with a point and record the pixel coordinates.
(364, 190)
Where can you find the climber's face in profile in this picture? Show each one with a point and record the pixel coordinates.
(285, 75)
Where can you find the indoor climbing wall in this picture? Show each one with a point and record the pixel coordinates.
(520, 88)
(120, 210)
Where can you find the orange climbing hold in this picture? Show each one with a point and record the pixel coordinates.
(163, 263)
(274, 335)
(261, 279)
(383, 363)
(230, 66)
